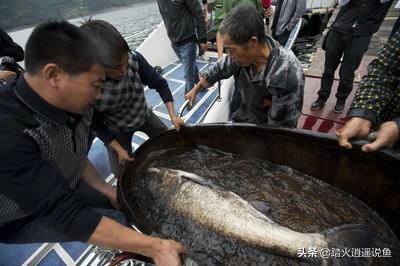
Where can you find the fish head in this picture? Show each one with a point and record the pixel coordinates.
(163, 179)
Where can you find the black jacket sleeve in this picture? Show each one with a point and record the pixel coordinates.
(153, 79)
(99, 128)
(40, 190)
(9, 48)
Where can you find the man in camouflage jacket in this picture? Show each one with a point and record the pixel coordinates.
(271, 78)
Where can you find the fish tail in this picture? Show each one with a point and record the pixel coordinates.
(347, 237)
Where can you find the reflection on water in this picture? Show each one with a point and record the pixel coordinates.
(133, 19)
(295, 200)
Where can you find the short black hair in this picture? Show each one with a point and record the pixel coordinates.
(63, 44)
(242, 23)
(108, 40)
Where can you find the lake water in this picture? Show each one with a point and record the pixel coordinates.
(128, 20)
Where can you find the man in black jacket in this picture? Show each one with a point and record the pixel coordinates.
(185, 24)
(45, 119)
(349, 36)
(10, 52)
(9, 48)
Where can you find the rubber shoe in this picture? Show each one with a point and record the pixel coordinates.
(318, 104)
(339, 106)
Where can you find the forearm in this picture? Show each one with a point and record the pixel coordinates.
(153, 79)
(112, 235)
(171, 109)
(220, 46)
(223, 69)
(114, 144)
(93, 179)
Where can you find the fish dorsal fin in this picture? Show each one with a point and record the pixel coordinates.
(198, 179)
(262, 208)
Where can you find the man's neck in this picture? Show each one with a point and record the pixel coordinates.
(39, 86)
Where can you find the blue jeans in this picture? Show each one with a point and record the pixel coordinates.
(187, 55)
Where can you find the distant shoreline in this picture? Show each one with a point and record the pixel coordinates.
(100, 11)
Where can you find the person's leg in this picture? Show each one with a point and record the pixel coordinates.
(352, 57)
(177, 51)
(283, 38)
(335, 44)
(220, 45)
(125, 140)
(153, 125)
(188, 55)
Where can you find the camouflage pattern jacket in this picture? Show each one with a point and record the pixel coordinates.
(276, 99)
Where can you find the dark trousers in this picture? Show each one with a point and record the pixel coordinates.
(36, 232)
(352, 48)
(283, 38)
(152, 126)
(396, 27)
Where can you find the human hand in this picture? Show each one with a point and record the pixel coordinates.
(7, 75)
(387, 136)
(356, 127)
(123, 156)
(191, 95)
(268, 12)
(177, 122)
(203, 47)
(168, 253)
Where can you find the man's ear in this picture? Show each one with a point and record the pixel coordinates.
(52, 73)
(253, 42)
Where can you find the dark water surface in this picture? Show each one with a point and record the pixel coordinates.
(294, 200)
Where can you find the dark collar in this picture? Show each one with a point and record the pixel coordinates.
(37, 104)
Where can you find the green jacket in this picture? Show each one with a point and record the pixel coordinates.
(222, 8)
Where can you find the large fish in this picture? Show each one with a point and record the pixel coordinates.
(227, 214)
